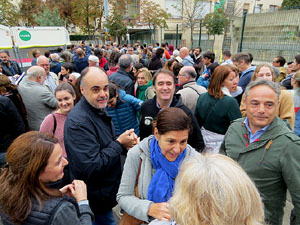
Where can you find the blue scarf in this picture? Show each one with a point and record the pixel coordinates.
(162, 182)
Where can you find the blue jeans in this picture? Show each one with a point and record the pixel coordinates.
(105, 219)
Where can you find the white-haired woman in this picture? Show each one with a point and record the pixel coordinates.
(212, 190)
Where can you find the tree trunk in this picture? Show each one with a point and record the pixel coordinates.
(192, 39)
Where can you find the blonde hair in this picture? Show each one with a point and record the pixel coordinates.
(256, 71)
(213, 190)
(147, 74)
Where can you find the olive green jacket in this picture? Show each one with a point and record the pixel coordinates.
(272, 162)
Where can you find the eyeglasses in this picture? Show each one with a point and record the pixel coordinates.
(181, 75)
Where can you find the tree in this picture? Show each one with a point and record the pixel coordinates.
(153, 15)
(27, 9)
(215, 22)
(290, 4)
(64, 7)
(48, 17)
(86, 13)
(8, 13)
(193, 12)
(116, 26)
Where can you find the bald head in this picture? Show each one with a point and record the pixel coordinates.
(186, 74)
(184, 52)
(94, 87)
(80, 52)
(43, 61)
(188, 71)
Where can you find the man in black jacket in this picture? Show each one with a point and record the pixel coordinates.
(164, 87)
(92, 148)
(9, 67)
(123, 77)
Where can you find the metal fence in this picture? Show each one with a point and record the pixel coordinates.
(267, 35)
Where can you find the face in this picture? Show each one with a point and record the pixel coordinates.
(164, 87)
(134, 70)
(130, 51)
(182, 79)
(54, 170)
(172, 143)
(290, 69)
(181, 54)
(231, 82)
(42, 78)
(96, 89)
(72, 80)
(239, 65)
(112, 102)
(65, 101)
(141, 79)
(261, 106)
(296, 66)
(4, 57)
(38, 53)
(205, 61)
(197, 52)
(91, 63)
(63, 71)
(275, 63)
(44, 62)
(264, 73)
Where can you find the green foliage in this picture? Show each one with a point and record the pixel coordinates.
(8, 13)
(85, 13)
(215, 22)
(29, 8)
(153, 15)
(48, 17)
(291, 4)
(115, 25)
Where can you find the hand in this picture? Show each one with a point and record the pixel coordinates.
(78, 190)
(67, 190)
(128, 139)
(16, 76)
(205, 75)
(160, 211)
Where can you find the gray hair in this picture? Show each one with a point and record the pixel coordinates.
(189, 71)
(274, 86)
(34, 72)
(55, 57)
(125, 61)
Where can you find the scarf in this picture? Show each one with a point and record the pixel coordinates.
(162, 182)
(141, 91)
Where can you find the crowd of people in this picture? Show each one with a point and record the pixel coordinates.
(170, 135)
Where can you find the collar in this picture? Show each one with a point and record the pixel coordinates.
(246, 122)
(226, 91)
(197, 57)
(248, 70)
(189, 83)
(157, 105)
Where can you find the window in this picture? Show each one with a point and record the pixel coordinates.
(202, 8)
(258, 8)
(272, 8)
(174, 7)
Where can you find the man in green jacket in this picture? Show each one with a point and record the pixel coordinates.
(267, 150)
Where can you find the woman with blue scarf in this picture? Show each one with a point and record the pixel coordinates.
(155, 162)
